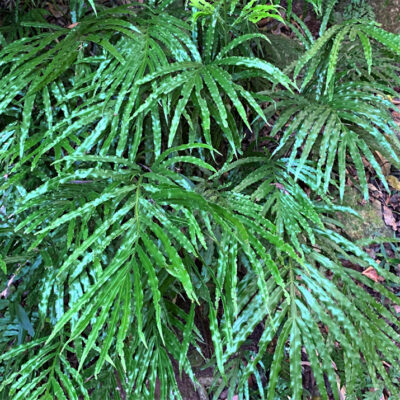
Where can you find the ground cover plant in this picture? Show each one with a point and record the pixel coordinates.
(172, 176)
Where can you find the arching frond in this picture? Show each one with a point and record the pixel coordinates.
(353, 124)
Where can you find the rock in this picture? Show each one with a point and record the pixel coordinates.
(371, 224)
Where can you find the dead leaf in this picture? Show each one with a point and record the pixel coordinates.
(56, 11)
(393, 182)
(73, 25)
(372, 187)
(396, 308)
(6, 291)
(371, 273)
(370, 252)
(342, 393)
(389, 218)
(395, 114)
(280, 187)
(342, 389)
(385, 164)
(366, 163)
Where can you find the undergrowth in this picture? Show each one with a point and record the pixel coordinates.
(164, 169)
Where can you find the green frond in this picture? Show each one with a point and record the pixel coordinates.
(354, 122)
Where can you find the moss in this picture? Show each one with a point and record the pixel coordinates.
(370, 224)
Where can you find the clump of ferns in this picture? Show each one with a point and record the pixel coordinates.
(132, 185)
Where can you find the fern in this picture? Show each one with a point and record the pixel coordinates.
(127, 233)
(351, 123)
(313, 298)
(168, 185)
(332, 40)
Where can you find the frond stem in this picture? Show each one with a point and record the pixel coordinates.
(137, 203)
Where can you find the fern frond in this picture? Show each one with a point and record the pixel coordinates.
(337, 37)
(355, 122)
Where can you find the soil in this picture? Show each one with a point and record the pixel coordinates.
(387, 13)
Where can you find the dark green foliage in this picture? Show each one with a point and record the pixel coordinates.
(163, 165)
